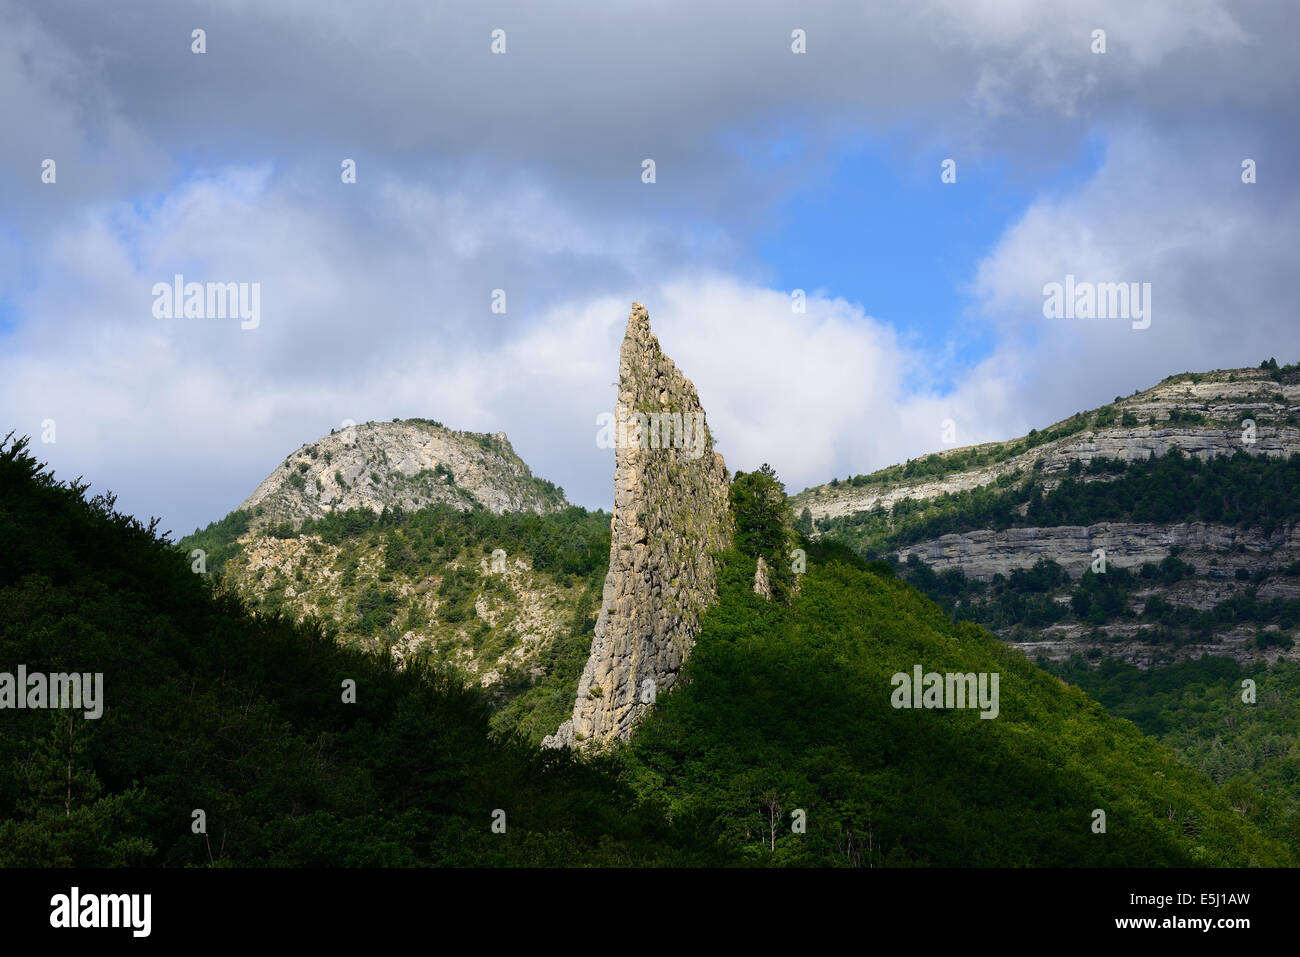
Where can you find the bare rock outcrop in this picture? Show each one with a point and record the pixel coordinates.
(671, 516)
(402, 464)
(1214, 550)
(762, 581)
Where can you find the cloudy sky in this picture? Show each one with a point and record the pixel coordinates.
(523, 171)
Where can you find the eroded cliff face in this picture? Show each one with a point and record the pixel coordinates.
(1236, 570)
(670, 518)
(1216, 551)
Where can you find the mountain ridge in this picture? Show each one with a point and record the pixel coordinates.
(1221, 398)
(1200, 470)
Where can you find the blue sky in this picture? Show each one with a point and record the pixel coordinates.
(8, 317)
(776, 171)
(879, 227)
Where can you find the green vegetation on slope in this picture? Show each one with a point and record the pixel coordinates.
(1251, 750)
(573, 542)
(763, 525)
(784, 705)
(220, 540)
(787, 707)
(938, 464)
(210, 707)
(380, 578)
(1044, 594)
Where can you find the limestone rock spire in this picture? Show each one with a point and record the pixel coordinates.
(671, 516)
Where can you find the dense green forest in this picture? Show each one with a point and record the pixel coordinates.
(783, 707)
(572, 542)
(1252, 751)
(784, 710)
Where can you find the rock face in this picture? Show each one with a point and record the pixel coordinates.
(409, 464)
(1216, 551)
(762, 582)
(671, 516)
(1207, 416)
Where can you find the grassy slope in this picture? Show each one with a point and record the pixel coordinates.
(1118, 414)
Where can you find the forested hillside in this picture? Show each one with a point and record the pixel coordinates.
(1252, 753)
(784, 706)
(505, 601)
(788, 708)
(1238, 491)
(213, 707)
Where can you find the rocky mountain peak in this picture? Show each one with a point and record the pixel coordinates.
(408, 464)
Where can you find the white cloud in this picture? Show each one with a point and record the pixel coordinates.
(1166, 210)
(521, 173)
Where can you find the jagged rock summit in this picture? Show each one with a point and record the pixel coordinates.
(671, 516)
(408, 464)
